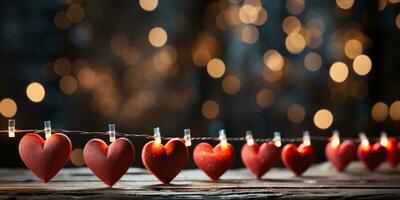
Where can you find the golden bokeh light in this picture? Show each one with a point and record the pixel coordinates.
(35, 92)
(201, 57)
(76, 13)
(295, 43)
(87, 78)
(339, 72)
(265, 98)
(344, 4)
(261, 17)
(291, 24)
(158, 37)
(148, 5)
(68, 84)
(398, 21)
(248, 13)
(296, 113)
(216, 68)
(295, 7)
(77, 157)
(323, 119)
(131, 55)
(313, 61)
(249, 34)
(394, 111)
(210, 109)
(62, 66)
(273, 60)
(231, 84)
(353, 48)
(379, 112)
(8, 107)
(362, 65)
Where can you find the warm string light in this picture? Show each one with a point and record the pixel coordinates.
(111, 131)
(335, 139)
(364, 139)
(277, 139)
(187, 137)
(384, 139)
(222, 138)
(249, 138)
(157, 135)
(47, 129)
(306, 138)
(11, 128)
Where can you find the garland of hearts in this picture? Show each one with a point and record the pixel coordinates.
(46, 157)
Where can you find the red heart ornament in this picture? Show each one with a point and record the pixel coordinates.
(297, 159)
(165, 162)
(109, 163)
(372, 155)
(213, 161)
(45, 158)
(260, 159)
(393, 152)
(341, 155)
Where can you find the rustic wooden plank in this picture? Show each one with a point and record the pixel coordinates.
(319, 182)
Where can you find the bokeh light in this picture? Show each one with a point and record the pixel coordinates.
(295, 43)
(35, 92)
(379, 112)
(216, 68)
(291, 24)
(394, 111)
(68, 84)
(231, 84)
(273, 60)
(323, 119)
(77, 157)
(158, 37)
(339, 72)
(210, 109)
(8, 107)
(296, 113)
(362, 65)
(62, 66)
(344, 4)
(353, 48)
(313, 61)
(265, 98)
(148, 5)
(295, 7)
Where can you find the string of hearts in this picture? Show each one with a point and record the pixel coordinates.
(46, 157)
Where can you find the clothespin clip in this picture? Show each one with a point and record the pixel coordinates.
(111, 131)
(277, 139)
(249, 138)
(157, 135)
(11, 128)
(187, 138)
(47, 129)
(306, 138)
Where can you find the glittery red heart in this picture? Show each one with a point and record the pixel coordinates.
(165, 162)
(109, 163)
(372, 155)
(260, 159)
(213, 161)
(297, 159)
(45, 158)
(341, 155)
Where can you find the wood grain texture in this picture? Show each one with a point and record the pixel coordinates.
(319, 182)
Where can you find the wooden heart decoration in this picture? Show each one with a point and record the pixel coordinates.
(45, 158)
(297, 159)
(341, 155)
(109, 163)
(260, 159)
(213, 161)
(165, 162)
(372, 155)
(393, 152)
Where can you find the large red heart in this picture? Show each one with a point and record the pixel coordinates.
(165, 162)
(109, 163)
(213, 161)
(341, 155)
(393, 152)
(260, 159)
(371, 155)
(45, 158)
(297, 159)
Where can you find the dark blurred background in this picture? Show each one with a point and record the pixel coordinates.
(264, 66)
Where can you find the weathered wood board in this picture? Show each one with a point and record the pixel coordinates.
(319, 182)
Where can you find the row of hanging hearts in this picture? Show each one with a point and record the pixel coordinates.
(45, 158)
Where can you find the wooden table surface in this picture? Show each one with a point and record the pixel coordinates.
(319, 182)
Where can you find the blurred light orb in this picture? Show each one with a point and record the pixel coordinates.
(216, 68)
(148, 5)
(296, 113)
(313, 61)
(249, 34)
(291, 24)
(398, 21)
(344, 4)
(35, 92)
(76, 13)
(295, 7)
(87, 78)
(261, 17)
(248, 13)
(362, 65)
(394, 111)
(265, 98)
(201, 57)
(295, 43)
(158, 37)
(210, 109)
(353, 48)
(231, 84)
(8, 107)
(339, 72)
(273, 60)
(62, 66)
(68, 84)
(62, 20)
(77, 157)
(323, 119)
(379, 112)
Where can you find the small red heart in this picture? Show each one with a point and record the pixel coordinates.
(341, 155)
(260, 159)
(393, 152)
(297, 159)
(45, 158)
(109, 163)
(165, 162)
(371, 155)
(213, 161)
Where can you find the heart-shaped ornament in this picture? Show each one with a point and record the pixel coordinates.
(45, 158)
(165, 162)
(109, 163)
(341, 155)
(259, 159)
(213, 161)
(372, 155)
(393, 152)
(297, 159)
